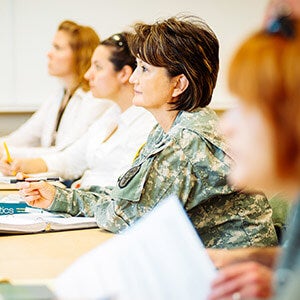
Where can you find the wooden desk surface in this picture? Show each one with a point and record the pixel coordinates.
(43, 256)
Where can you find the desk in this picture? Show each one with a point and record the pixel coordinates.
(43, 256)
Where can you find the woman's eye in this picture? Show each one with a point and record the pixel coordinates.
(144, 69)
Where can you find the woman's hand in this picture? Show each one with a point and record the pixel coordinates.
(39, 194)
(25, 165)
(246, 280)
(6, 168)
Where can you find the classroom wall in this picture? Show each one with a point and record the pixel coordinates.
(12, 119)
(27, 28)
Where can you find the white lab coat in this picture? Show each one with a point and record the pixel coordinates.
(34, 137)
(102, 161)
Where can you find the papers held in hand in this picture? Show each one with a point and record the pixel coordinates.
(160, 257)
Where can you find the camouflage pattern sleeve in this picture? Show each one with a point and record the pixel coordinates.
(79, 202)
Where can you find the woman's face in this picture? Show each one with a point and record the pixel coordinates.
(251, 147)
(103, 79)
(61, 57)
(153, 88)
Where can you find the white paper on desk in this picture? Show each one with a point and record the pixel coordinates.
(160, 257)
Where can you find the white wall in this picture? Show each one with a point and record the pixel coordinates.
(27, 28)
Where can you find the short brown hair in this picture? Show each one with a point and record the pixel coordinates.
(83, 41)
(265, 73)
(183, 45)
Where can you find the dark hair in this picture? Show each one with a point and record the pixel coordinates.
(120, 55)
(83, 42)
(183, 45)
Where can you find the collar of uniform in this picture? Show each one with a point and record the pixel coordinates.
(203, 121)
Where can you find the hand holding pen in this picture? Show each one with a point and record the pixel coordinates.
(38, 194)
(11, 166)
(36, 191)
(9, 169)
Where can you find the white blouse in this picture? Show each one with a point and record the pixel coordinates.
(106, 150)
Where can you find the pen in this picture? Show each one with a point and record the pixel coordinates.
(29, 179)
(37, 179)
(8, 157)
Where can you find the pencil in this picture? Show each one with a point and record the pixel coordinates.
(8, 157)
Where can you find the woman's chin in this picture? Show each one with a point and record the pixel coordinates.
(136, 102)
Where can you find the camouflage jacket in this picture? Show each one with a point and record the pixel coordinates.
(189, 161)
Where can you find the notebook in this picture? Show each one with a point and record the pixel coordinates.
(17, 217)
(43, 221)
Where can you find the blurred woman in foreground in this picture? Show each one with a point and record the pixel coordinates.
(264, 75)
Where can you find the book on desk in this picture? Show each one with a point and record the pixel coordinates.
(17, 217)
(42, 222)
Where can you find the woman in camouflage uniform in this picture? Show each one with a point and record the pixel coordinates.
(177, 67)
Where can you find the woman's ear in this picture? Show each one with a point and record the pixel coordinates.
(181, 84)
(125, 73)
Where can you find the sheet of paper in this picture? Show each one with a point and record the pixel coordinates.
(160, 257)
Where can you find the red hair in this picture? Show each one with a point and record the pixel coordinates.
(83, 42)
(265, 73)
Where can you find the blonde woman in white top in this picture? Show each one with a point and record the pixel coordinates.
(69, 112)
